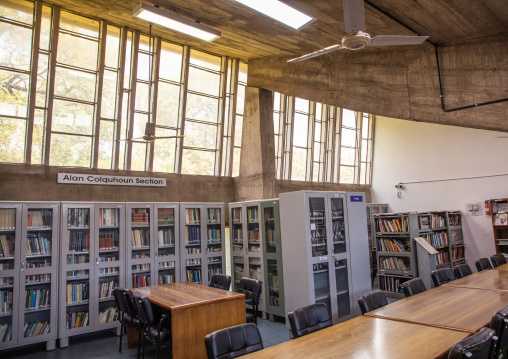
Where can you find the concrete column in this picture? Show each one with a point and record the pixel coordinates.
(257, 163)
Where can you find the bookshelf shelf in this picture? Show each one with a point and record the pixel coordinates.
(324, 271)
(499, 224)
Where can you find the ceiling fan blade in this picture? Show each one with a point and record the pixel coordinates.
(317, 53)
(393, 40)
(126, 139)
(165, 137)
(354, 15)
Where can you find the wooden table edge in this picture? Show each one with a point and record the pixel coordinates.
(197, 304)
(470, 331)
(469, 287)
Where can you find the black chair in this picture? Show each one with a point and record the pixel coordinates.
(482, 264)
(442, 276)
(498, 259)
(413, 286)
(252, 290)
(221, 281)
(462, 270)
(499, 323)
(481, 345)
(127, 315)
(233, 342)
(309, 319)
(372, 300)
(157, 332)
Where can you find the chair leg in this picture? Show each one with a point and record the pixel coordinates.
(157, 350)
(121, 336)
(144, 346)
(139, 342)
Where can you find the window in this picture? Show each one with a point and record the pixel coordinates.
(82, 98)
(321, 143)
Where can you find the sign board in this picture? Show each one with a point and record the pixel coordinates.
(74, 178)
(356, 198)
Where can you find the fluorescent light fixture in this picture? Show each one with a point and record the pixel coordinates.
(280, 11)
(172, 21)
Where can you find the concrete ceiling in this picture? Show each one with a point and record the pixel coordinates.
(247, 34)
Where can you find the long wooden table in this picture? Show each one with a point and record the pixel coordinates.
(463, 309)
(366, 337)
(196, 310)
(495, 279)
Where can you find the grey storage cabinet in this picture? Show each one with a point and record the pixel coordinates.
(29, 273)
(92, 252)
(325, 250)
(152, 243)
(202, 252)
(246, 248)
(372, 209)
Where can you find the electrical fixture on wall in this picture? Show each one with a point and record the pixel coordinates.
(172, 21)
(281, 11)
(399, 188)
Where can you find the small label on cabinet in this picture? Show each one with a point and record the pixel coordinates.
(323, 258)
(356, 198)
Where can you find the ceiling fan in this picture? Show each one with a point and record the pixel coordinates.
(357, 38)
(150, 134)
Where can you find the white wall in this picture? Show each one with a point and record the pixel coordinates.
(407, 151)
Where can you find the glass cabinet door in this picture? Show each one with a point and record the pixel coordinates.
(193, 245)
(317, 219)
(140, 246)
(342, 288)
(322, 284)
(166, 244)
(269, 219)
(236, 229)
(214, 243)
(253, 239)
(338, 225)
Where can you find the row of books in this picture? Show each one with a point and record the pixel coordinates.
(139, 281)
(140, 238)
(391, 225)
(393, 245)
(391, 284)
(108, 315)
(77, 258)
(108, 271)
(7, 218)
(108, 257)
(109, 217)
(214, 235)
(437, 221)
(165, 216)
(166, 265)
(337, 207)
(78, 241)
(5, 280)
(439, 239)
(269, 214)
(454, 219)
(252, 214)
(274, 301)
(238, 270)
(195, 250)
(166, 237)
(33, 329)
(214, 215)
(5, 301)
(270, 237)
(108, 240)
(38, 263)
(457, 253)
(237, 234)
(38, 244)
(214, 260)
(140, 217)
(442, 258)
(5, 332)
(424, 222)
(393, 263)
(192, 216)
(38, 278)
(37, 298)
(166, 278)
(76, 320)
(193, 275)
(193, 262)
(78, 217)
(42, 218)
(236, 215)
(212, 271)
(106, 289)
(273, 282)
(192, 235)
(455, 235)
(6, 246)
(77, 274)
(141, 267)
(77, 292)
(253, 235)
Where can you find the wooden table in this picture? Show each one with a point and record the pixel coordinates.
(366, 337)
(196, 310)
(463, 309)
(495, 279)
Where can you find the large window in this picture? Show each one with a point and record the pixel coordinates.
(321, 143)
(76, 91)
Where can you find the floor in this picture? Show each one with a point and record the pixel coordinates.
(105, 345)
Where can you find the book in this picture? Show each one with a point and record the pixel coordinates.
(501, 219)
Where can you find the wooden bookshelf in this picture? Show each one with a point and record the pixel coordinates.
(372, 209)
(499, 216)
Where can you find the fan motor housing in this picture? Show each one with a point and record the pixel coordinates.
(356, 41)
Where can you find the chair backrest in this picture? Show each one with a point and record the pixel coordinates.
(497, 260)
(144, 307)
(251, 288)
(129, 297)
(478, 346)
(233, 342)
(221, 281)
(442, 276)
(482, 264)
(309, 319)
(499, 323)
(121, 300)
(372, 300)
(413, 286)
(462, 270)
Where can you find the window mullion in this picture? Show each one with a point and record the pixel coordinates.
(152, 103)
(182, 109)
(132, 104)
(337, 133)
(119, 97)
(233, 91)
(311, 119)
(288, 151)
(98, 92)
(220, 116)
